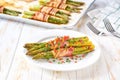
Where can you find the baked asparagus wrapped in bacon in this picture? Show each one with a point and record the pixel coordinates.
(33, 46)
(44, 17)
(63, 6)
(70, 2)
(48, 9)
(51, 11)
(59, 47)
(63, 52)
(8, 11)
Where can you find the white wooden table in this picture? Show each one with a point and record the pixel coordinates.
(13, 65)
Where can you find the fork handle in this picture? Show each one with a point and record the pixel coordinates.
(116, 34)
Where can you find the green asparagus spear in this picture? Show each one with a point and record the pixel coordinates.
(83, 50)
(56, 20)
(35, 47)
(74, 3)
(32, 45)
(45, 49)
(11, 12)
(44, 55)
(73, 9)
(82, 39)
(80, 44)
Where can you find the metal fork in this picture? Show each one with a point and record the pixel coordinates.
(96, 31)
(109, 28)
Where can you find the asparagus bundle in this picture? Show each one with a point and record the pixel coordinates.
(42, 8)
(63, 53)
(51, 11)
(63, 6)
(41, 47)
(59, 47)
(8, 11)
(44, 17)
(34, 46)
(70, 2)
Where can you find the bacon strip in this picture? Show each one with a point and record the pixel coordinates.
(46, 17)
(54, 4)
(1, 9)
(39, 16)
(62, 6)
(46, 9)
(53, 11)
(63, 52)
(61, 1)
(64, 1)
(49, 10)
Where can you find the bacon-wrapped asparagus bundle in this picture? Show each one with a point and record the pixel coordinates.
(70, 2)
(51, 11)
(63, 6)
(34, 46)
(60, 47)
(63, 52)
(8, 11)
(49, 47)
(44, 17)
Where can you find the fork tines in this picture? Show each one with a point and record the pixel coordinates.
(108, 25)
(93, 28)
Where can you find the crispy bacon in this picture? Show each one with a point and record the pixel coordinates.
(57, 0)
(38, 16)
(46, 9)
(61, 1)
(41, 16)
(1, 9)
(64, 1)
(57, 4)
(62, 6)
(63, 52)
(53, 4)
(46, 17)
(53, 11)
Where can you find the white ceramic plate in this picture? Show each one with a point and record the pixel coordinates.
(90, 58)
(75, 17)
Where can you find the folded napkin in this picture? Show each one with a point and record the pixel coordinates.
(111, 12)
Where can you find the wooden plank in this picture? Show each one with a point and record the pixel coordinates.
(97, 71)
(111, 54)
(72, 75)
(21, 68)
(47, 73)
(112, 58)
(9, 35)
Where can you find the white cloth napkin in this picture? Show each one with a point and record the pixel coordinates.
(111, 12)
